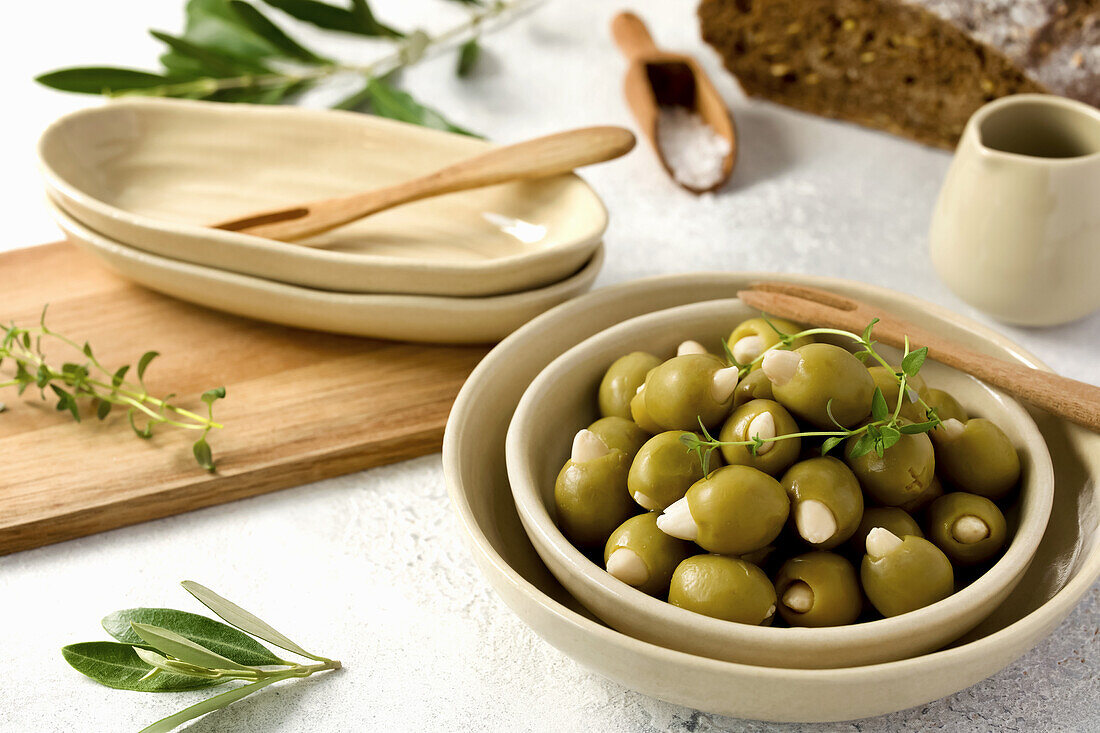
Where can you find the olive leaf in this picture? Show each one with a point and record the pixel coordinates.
(357, 18)
(100, 79)
(182, 648)
(468, 54)
(117, 665)
(385, 100)
(213, 635)
(210, 705)
(242, 619)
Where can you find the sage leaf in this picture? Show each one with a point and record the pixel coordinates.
(913, 361)
(100, 79)
(259, 24)
(213, 635)
(182, 648)
(209, 705)
(117, 665)
(242, 619)
(387, 101)
(468, 55)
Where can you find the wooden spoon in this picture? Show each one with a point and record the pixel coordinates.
(1067, 398)
(539, 158)
(657, 78)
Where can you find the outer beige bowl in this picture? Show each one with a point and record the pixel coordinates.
(562, 400)
(1066, 563)
(431, 318)
(151, 173)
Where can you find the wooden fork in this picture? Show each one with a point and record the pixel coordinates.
(1067, 398)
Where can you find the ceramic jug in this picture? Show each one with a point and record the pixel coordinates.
(1016, 229)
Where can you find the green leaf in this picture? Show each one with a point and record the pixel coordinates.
(913, 361)
(242, 619)
(117, 377)
(357, 19)
(831, 443)
(144, 361)
(183, 649)
(890, 436)
(3, 407)
(211, 395)
(214, 635)
(879, 409)
(212, 61)
(386, 101)
(863, 445)
(203, 455)
(100, 79)
(215, 25)
(103, 409)
(209, 705)
(144, 433)
(468, 55)
(921, 427)
(867, 331)
(259, 24)
(116, 665)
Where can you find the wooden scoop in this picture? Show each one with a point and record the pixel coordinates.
(539, 158)
(657, 78)
(1067, 398)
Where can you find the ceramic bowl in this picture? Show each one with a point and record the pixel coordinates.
(151, 174)
(1065, 565)
(429, 318)
(562, 400)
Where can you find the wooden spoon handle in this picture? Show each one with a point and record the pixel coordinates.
(631, 36)
(1067, 398)
(539, 158)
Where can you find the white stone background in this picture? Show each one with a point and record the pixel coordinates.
(370, 568)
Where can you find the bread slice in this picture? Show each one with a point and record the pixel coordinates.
(917, 68)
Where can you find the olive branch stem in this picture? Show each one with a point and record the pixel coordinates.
(882, 432)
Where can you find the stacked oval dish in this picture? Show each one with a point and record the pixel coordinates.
(758, 594)
(139, 182)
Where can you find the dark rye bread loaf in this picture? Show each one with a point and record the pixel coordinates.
(917, 68)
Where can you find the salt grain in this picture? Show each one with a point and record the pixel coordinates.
(693, 150)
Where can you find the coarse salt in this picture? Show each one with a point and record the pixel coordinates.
(692, 149)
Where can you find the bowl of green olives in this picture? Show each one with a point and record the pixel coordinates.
(739, 487)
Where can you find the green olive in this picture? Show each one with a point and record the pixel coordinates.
(754, 386)
(902, 473)
(934, 491)
(891, 518)
(910, 573)
(945, 405)
(767, 419)
(640, 414)
(887, 381)
(754, 336)
(591, 498)
(970, 529)
(726, 588)
(814, 379)
(688, 389)
(977, 457)
(665, 469)
(618, 432)
(818, 589)
(621, 381)
(734, 511)
(643, 556)
(826, 501)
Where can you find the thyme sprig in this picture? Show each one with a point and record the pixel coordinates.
(879, 434)
(90, 380)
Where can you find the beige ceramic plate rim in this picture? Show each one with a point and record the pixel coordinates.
(536, 518)
(1057, 607)
(451, 305)
(55, 181)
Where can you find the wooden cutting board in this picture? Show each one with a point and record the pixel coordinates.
(300, 406)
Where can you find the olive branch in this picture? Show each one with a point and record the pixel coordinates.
(878, 435)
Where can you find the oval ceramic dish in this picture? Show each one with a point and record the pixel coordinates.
(151, 173)
(1065, 565)
(561, 400)
(431, 318)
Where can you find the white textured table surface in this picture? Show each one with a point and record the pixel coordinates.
(370, 568)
